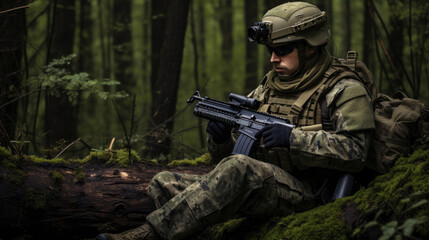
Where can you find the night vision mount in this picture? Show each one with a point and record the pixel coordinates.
(263, 33)
(260, 32)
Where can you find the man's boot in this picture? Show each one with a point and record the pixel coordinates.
(144, 232)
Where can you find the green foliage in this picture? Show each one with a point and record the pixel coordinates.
(397, 202)
(203, 160)
(391, 229)
(58, 79)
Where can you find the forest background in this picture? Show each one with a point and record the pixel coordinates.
(80, 75)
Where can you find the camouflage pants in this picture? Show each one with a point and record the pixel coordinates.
(238, 185)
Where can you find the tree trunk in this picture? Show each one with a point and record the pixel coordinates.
(164, 94)
(195, 44)
(368, 39)
(53, 202)
(396, 48)
(326, 5)
(346, 28)
(12, 44)
(61, 116)
(159, 14)
(225, 21)
(251, 80)
(86, 61)
(123, 55)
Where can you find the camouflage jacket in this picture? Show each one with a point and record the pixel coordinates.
(345, 148)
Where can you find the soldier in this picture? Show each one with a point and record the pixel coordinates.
(287, 172)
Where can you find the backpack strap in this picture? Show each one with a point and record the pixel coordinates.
(351, 59)
(313, 95)
(303, 98)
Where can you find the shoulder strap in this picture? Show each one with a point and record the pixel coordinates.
(332, 76)
(303, 98)
(351, 59)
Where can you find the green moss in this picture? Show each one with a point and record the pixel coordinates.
(97, 156)
(17, 177)
(224, 229)
(118, 157)
(56, 177)
(4, 153)
(39, 160)
(203, 160)
(324, 222)
(393, 197)
(79, 176)
(122, 158)
(35, 200)
(11, 163)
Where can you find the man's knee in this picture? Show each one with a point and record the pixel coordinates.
(246, 166)
(238, 160)
(158, 180)
(160, 177)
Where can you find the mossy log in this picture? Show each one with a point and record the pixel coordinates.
(75, 201)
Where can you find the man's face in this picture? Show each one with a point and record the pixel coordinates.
(287, 63)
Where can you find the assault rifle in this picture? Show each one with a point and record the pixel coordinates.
(240, 113)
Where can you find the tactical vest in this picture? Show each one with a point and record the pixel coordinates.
(302, 109)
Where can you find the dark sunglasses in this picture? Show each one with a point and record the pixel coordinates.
(282, 50)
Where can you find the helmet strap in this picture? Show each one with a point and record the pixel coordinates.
(302, 57)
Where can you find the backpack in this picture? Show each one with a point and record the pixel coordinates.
(399, 120)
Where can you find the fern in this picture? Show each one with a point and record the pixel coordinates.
(57, 78)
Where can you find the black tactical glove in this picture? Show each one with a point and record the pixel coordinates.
(219, 131)
(275, 135)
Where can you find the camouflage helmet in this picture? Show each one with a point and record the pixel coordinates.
(291, 22)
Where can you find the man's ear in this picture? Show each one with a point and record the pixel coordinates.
(310, 50)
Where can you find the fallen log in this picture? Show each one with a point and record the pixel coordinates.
(64, 201)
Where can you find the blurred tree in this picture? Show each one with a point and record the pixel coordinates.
(368, 38)
(159, 13)
(346, 28)
(122, 49)
(251, 71)
(326, 5)
(396, 46)
(85, 59)
(164, 95)
(12, 43)
(224, 13)
(196, 51)
(60, 113)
